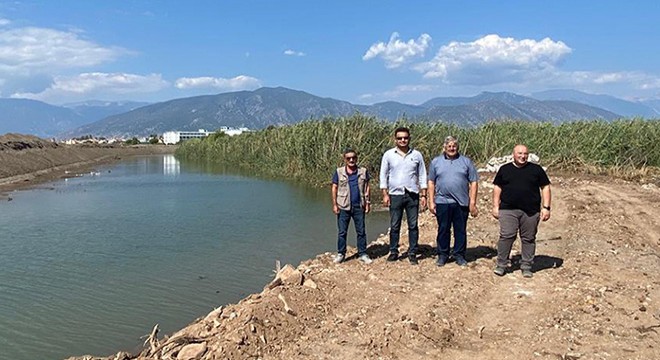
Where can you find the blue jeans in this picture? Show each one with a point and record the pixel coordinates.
(398, 203)
(456, 216)
(343, 220)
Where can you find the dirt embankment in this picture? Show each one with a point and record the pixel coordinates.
(595, 294)
(26, 160)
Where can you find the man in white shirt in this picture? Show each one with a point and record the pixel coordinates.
(403, 183)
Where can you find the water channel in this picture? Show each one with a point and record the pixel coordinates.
(89, 264)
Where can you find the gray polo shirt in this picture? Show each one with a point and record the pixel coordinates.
(400, 172)
(452, 178)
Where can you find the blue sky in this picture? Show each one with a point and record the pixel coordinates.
(363, 52)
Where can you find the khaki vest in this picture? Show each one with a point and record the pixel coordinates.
(343, 190)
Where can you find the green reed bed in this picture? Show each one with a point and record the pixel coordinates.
(310, 150)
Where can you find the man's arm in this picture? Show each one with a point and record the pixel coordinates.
(474, 190)
(333, 191)
(421, 172)
(367, 198)
(431, 191)
(497, 193)
(546, 202)
(384, 172)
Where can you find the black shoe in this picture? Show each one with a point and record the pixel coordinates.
(460, 261)
(393, 257)
(442, 260)
(412, 259)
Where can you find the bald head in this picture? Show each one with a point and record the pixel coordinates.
(520, 155)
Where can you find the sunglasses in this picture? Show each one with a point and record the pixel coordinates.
(351, 158)
(403, 138)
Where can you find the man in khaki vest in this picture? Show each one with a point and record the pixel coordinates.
(350, 200)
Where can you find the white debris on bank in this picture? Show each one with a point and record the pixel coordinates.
(495, 163)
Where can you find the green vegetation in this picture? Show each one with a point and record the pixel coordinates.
(132, 141)
(310, 150)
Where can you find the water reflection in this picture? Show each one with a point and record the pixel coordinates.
(171, 165)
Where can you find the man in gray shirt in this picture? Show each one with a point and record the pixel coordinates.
(403, 182)
(453, 181)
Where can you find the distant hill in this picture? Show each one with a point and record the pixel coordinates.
(607, 102)
(38, 118)
(279, 106)
(95, 110)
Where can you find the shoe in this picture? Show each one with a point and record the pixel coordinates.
(365, 259)
(499, 271)
(461, 262)
(339, 258)
(442, 260)
(413, 259)
(527, 273)
(393, 257)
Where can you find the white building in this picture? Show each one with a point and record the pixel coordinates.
(174, 137)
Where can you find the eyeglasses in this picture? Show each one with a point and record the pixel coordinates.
(403, 138)
(351, 158)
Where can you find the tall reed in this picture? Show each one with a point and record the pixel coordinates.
(310, 150)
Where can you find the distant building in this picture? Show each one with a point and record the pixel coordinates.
(174, 137)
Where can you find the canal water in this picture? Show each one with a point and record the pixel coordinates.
(91, 264)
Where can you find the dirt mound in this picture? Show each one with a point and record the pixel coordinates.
(22, 142)
(594, 294)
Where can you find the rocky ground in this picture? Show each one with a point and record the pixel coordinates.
(26, 160)
(595, 294)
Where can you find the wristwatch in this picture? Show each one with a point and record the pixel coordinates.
(547, 208)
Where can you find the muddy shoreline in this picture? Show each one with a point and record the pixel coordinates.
(27, 161)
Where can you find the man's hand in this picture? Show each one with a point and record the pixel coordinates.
(386, 200)
(367, 208)
(422, 203)
(335, 209)
(545, 214)
(432, 207)
(496, 213)
(473, 210)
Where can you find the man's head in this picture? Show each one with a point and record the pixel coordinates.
(350, 157)
(402, 137)
(520, 155)
(450, 146)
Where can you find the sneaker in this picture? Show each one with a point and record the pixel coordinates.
(442, 260)
(461, 261)
(527, 273)
(393, 257)
(365, 259)
(412, 259)
(499, 271)
(339, 258)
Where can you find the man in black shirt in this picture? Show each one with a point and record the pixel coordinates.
(516, 203)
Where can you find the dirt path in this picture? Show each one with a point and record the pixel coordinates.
(594, 294)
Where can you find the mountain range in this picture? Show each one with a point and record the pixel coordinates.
(280, 106)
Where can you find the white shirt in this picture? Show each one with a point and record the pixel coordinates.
(400, 172)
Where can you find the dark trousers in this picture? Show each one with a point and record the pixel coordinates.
(398, 203)
(513, 222)
(343, 220)
(448, 216)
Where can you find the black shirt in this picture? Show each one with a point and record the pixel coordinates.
(521, 187)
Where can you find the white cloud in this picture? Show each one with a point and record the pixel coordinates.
(493, 59)
(240, 82)
(92, 85)
(32, 50)
(4, 22)
(396, 52)
(290, 52)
